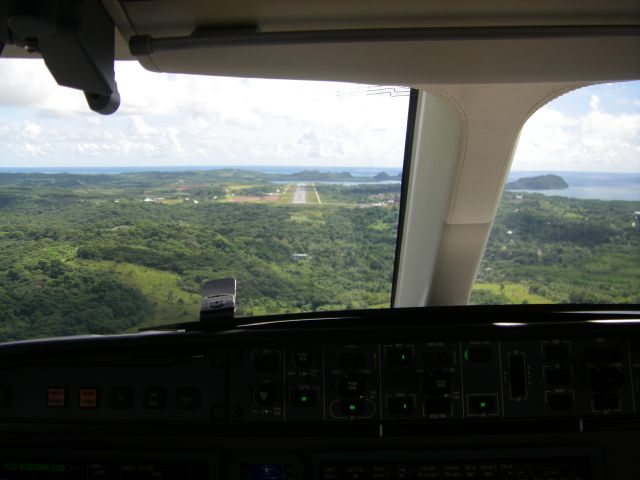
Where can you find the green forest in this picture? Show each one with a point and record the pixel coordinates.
(561, 250)
(113, 253)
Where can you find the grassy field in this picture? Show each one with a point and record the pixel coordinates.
(170, 302)
(312, 196)
(286, 193)
(513, 292)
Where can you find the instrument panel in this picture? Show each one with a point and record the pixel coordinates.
(356, 402)
(395, 382)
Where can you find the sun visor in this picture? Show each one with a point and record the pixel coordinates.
(404, 42)
(415, 62)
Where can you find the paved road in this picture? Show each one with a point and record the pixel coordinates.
(300, 195)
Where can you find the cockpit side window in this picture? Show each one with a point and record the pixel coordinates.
(568, 226)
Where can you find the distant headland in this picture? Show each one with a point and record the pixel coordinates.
(542, 182)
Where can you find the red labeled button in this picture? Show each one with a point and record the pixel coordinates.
(88, 397)
(57, 397)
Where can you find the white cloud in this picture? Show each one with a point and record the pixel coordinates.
(174, 136)
(308, 144)
(141, 127)
(32, 148)
(595, 141)
(28, 83)
(173, 119)
(176, 119)
(31, 130)
(88, 148)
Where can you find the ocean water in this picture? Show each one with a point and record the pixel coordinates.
(592, 185)
(355, 171)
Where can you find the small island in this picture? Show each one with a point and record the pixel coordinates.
(385, 177)
(542, 182)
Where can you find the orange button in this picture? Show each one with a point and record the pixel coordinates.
(57, 397)
(88, 397)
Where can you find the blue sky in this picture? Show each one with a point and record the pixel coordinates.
(194, 120)
(595, 128)
(619, 98)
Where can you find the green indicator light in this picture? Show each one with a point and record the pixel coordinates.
(483, 404)
(404, 357)
(11, 466)
(352, 407)
(34, 467)
(466, 355)
(58, 467)
(404, 406)
(303, 398)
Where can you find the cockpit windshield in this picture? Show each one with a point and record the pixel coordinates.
(110, 224)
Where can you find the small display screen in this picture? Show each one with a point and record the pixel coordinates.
(266, 466)
(269, 471)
